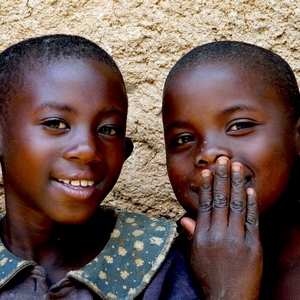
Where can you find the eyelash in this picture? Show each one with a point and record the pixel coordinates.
(109, 130)
(235, 128)
(56, 124)
(243, 125)
(182, 140)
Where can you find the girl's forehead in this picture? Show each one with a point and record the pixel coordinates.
(64, 80)
(215, 86)
(224, 70)
(71, 65)
(209, 75)
(84, 70)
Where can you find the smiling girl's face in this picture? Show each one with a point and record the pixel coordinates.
(64, 145)
(222, 109)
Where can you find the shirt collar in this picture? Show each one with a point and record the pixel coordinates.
(137, 247)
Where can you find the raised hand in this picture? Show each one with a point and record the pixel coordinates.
(226, 253)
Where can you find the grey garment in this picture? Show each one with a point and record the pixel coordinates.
(32, 285)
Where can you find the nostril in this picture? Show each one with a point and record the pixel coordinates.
(202, 162)
(247, 179)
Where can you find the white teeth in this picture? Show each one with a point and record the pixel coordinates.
(87, 183)
(84, 182)
(77, 182)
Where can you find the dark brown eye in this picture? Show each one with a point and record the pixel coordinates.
(240, 126)
(55, 124)
(185, 139)
(108, 130)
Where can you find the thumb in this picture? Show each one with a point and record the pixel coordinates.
(189, 225)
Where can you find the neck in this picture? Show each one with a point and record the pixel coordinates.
(44, 240)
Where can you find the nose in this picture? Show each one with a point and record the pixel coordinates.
(83, 149)
(209, 153)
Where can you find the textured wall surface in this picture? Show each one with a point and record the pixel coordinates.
(146, 38)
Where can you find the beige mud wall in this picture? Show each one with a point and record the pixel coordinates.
(146, 38)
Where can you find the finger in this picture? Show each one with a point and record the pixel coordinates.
(189, 225)
(205, 202)
(221, 192)
(236, 224)
(252, 215)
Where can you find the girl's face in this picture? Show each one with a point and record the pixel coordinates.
(64, 146)
(218, 110)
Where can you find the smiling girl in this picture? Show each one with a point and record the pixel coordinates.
(231, 125)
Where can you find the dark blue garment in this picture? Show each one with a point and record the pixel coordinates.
(175, 279)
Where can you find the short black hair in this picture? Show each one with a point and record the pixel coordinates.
(21, 57)
(271, 68)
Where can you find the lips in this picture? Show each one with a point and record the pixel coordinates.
(77, 189)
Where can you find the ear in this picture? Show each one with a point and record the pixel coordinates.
(298, 135)
(128, 147)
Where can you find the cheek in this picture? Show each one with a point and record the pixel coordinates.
(177, 171)
(273, 173)
(271, 152)
(114, 157)
(181, 176)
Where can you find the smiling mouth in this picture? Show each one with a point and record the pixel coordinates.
(77, 183)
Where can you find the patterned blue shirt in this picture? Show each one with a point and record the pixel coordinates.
(122, 270)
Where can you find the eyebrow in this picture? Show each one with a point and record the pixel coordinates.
(234, 108)
(57, 106)
(226, 111)
(174, 124)
(116, 111)
(63, 107)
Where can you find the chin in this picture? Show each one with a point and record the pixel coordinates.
(73, 219)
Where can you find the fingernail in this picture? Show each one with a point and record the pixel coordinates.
(250, 191)
(236, 167)
(205, 173)
(222, 161)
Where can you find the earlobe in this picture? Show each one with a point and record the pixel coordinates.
(128, 147)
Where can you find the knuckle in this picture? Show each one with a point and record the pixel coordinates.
(213, 240)
(222, 170)
(205, 206)
(206, 187)
(251, 205)
(220, 200)
(206, 183)
(251, 220)
(222, 176)
(238, 182)
(237, 206)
